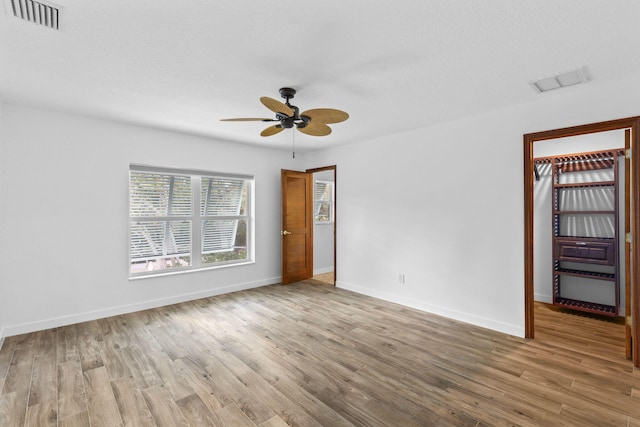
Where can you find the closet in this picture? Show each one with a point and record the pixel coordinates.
(585, 231)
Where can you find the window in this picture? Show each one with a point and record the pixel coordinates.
(323, 202)
(186, 220)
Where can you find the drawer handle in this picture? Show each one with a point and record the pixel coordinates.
(581, 243)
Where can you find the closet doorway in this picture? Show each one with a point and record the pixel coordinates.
(632, 222)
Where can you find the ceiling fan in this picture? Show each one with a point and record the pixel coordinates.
(311, 122)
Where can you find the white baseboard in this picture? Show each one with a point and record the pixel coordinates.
(543, 298)
(24, 328)
(505, 328)
(1, 338)
(323, 270)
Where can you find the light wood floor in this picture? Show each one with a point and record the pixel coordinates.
(308, 354)
(328, 278)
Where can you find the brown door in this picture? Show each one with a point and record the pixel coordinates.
(297, 226)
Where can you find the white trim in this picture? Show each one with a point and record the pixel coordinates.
(323, 270)
(185, 270)
(472, 319)
(55, 322)
(1, 338)
(174, 171)
(543, 298)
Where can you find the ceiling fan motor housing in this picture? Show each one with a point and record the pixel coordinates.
(287, 123)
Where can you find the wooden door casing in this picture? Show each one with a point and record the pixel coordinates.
(632, 123)
(627, 246)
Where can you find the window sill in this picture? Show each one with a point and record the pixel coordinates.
(142, 276)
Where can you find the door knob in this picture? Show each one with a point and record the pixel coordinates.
(286, 233)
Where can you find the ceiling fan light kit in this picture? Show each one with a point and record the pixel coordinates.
(311, 122)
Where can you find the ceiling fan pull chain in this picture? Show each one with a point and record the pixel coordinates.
(293, 144)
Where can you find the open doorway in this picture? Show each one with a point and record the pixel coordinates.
(300, 210)
(633, 124)
(579, 224)
(324, 224)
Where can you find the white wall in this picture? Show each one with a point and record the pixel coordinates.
(323, 236)
(64, 254)
(543, 224)
(3, 301)
(444, 206)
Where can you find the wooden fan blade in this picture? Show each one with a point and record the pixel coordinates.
(248, 119)
(272, 130)
(276, 106)
(326, 115)
(316, 129)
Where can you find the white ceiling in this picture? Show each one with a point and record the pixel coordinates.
(184, 65)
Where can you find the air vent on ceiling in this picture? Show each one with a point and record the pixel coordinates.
(561, 80)
(37, 12)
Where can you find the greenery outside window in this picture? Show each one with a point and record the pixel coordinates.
(187, 220)
(323, 194)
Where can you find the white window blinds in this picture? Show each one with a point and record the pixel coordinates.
(157, 203)
(186, 220)
(221, 206)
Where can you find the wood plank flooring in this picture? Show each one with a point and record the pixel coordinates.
(309, 354)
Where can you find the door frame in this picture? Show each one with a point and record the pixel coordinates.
(632, 123)
(334, 168)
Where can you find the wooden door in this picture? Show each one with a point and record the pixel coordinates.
(627, 246)
(297, 226)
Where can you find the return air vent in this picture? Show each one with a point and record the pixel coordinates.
(561, 80)
(37, 12)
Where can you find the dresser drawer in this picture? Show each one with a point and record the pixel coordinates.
(585, 250)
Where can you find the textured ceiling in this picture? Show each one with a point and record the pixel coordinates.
(184, 65)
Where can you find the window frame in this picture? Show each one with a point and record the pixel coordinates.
(329, 202)
(197, 218)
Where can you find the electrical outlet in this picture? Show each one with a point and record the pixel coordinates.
(401, 278)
